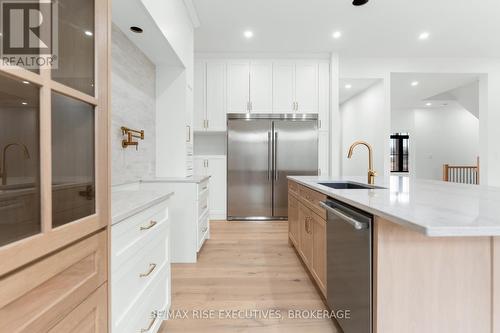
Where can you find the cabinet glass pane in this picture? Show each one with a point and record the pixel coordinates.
(19, 158)
(76, 45)
(73, 156)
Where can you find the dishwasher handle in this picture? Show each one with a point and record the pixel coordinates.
(358, 225)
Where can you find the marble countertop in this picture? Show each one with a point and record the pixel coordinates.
(193, 179)
(434, 208)
(125, 203)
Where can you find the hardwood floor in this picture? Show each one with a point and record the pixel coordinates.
(245, 266)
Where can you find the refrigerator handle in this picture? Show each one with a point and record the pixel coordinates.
(269, 153)
(275, 155)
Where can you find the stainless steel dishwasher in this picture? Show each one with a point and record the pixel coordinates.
(349, 265)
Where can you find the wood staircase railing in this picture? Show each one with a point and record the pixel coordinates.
(461, 174)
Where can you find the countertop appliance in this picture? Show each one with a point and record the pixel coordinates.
(262, 150)
(349, 265)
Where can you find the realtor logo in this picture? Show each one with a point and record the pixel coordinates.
(29, 33)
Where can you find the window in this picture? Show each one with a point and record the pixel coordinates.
(399, 152)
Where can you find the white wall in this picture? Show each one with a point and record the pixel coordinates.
(489, 98)
(133, 105)
(447, 135)
(361, 120)
(444, 136)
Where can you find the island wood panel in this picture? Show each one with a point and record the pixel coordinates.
(293, 219)
(432, 285)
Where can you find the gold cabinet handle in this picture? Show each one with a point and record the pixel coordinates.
(144, 330)
(151, 269)
(151, 224)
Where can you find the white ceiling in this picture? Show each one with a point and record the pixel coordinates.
(357, 87)
(458, 28)
(438, 89)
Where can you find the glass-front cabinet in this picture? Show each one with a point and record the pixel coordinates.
(53, 134)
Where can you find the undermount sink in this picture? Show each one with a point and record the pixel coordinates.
(350, 186)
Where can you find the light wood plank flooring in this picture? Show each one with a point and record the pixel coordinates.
(245, 266)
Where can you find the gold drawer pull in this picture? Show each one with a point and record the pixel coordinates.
(151, 269)
(204, 207)
(151, 224)
(144, 330)
(204, 188)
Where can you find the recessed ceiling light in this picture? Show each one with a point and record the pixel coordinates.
(424, 35)
(24, 103)
(135, 29)
(248, 34)
(414, 83)
(26, 82)
(428, 104)
(348, 86)
(89, 33)
(337, 34)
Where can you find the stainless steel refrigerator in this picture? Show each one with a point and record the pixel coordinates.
(262, 150)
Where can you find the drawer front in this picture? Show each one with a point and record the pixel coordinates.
(90, 316)
(203, 187)
(140, 317)
(130, 235)
(312, 199)
(203, 229)
(36, 298)
(202, 203)
(130, 280)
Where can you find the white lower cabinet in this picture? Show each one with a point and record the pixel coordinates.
(189, 208)
(140, 271)
(214, 166)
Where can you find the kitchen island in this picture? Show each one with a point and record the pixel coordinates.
(435, 250)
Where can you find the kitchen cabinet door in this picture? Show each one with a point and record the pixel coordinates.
(306, 234)
(261, 87)
(238, 91)
(319, 251)
(293, 219)
(306, 87)
(199, 95)
(216, 96)
(323, 154)
(216, 168)
(283, 87)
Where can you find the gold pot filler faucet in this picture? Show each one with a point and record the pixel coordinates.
(3, 171)
(371, 173)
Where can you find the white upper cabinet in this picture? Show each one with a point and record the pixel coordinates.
(238, 90)
(199, 95)
(261, 87)
(210, 96)
(283, 87)
(306, 87)
(216, 96)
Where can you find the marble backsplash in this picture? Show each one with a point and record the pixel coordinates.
(133, 105)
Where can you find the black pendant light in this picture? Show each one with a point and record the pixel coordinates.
(359, 2)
